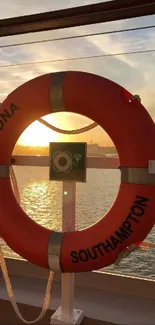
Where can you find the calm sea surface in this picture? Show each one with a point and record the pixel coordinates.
(42, 201)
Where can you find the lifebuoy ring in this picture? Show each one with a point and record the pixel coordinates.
(132, 130)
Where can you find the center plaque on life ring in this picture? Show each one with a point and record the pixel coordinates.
(67, 161)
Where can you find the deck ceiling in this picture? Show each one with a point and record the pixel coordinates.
(77, 16)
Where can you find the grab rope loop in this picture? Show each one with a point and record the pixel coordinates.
(14, 184)
(125, 252)
(12, 297)
(6, 275)
(69, 132)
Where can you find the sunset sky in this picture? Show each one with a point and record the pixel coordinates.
(135, 72)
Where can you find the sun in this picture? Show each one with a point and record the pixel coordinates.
(38, 135)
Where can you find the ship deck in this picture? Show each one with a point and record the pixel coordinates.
(9, 317)
(104, 298)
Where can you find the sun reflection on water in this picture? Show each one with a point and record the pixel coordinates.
(42, 202)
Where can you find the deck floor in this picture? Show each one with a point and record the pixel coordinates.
(8, 316)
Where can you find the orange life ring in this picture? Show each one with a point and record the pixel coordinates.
(132, 130)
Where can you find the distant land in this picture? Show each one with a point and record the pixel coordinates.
(92, 150)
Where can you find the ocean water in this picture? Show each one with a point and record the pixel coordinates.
(42, 201)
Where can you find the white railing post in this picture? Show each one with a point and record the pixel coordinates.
(68, 224)
(66, 314)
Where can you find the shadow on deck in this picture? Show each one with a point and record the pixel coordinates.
(8, 316)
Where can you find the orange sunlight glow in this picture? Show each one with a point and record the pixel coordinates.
(39, 135)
